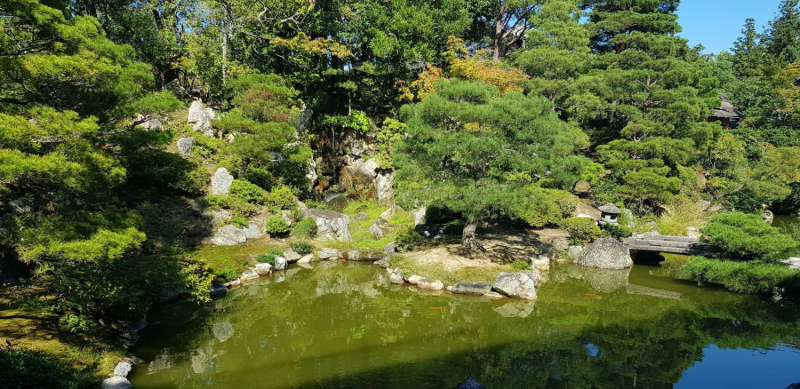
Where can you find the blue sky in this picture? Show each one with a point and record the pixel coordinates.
(717, 23)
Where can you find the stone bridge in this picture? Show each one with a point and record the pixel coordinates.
(668, 244)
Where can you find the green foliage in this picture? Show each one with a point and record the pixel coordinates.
(746, 237)
(543, 207)
(356, 121)
(743, 276)
(520, 265)
(582, 230)
(239, 221)
(266, 258)
(277, 226)
(247, 192)
(302, 248)
(275, 252)
(617, 232)
(306, 228)
(407, 240)
(229, 274)
(454, 228)
(281, 196)
(477, 151)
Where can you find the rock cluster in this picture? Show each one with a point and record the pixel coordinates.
(200, 118)
(330, 225)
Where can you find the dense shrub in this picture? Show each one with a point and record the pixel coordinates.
(306, 228)
(617, 232)
(260, 176)
(277, 226)
(239, 221)
(582, 230)
(520, 265)
(282, 196)
(302, 248)
(248, 192)
(454, 228)
(229, 274)
(266, 258)
(544, 207)
(746, 236)
(408, 239)
(743, 276)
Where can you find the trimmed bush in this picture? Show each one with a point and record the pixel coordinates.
(229, 274)
(616, 232)
(520, 265)
(248, 192)
(306, 228)
(743, 276)
(277, 226)
(281, 196)
(266, 258)
(276, 252)
(544, 207)
(408, 239)
(745, 236)
(239, 221)
(582, 230)
(302, 248)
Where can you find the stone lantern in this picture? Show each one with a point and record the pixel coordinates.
(610, 214)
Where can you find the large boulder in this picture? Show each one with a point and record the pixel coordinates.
(606, 253)
(396, 277)
(384, 187)
(262, 269)
(116, 382)
(281, 263)
(430, 284)
(253, 230)
(330, 225)
(200, 118)
(390, 248)
(329, 254)
(473, 288)
(248, 275)
(229, 236)
(122, 369)
(221, 182)
(376, 231)
(185, 145)
(291, 256)
(517, 285)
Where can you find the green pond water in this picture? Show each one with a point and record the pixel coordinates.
(342, 325)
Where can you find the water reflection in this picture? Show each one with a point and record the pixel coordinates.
(343, 325)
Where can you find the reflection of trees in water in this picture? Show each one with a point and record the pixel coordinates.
(343, 326)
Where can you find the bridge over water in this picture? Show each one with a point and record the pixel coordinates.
(668, 244)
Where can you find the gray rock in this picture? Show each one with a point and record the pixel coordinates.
(21, 205)
(229, 236)
(582, 188)
(222, 331)
(221, 182)
(559, 244)
(150, 123)
(262, 269)
(792, 263)
(291, 256)
(388, 213)
(376, 231)
(304, 120)
(574, 252)
(384, 187)
(542, 262)
(517, 285)
(329, 253)
(116, 382)
(473, 288)
(200, 118)
(606, 253)
(185, 145)
(253, 231)
(248, 275)
(233, 284)
(390, 248)
(330, 225)
(384, 263)
(362, 216)
(217, 290)
(414, 279)
(469, 384)
(396, 277)
(535, 275)
(122, 369)
(493, 295)
(419, 216)
(306, 258)
(516, 309)
(430, 284)
(280, 263)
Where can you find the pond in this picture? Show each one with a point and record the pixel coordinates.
(343, 325)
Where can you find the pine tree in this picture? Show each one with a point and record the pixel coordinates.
(748, 51)
(782, 38)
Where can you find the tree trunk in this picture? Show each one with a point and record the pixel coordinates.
(468, 240)
(498, 32)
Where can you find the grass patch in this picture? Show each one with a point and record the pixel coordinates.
(219, 258)
(681, 215)
(81, 360)
(439, 271)
(359, 229)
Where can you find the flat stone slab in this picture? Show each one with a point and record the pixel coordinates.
(472, 288)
